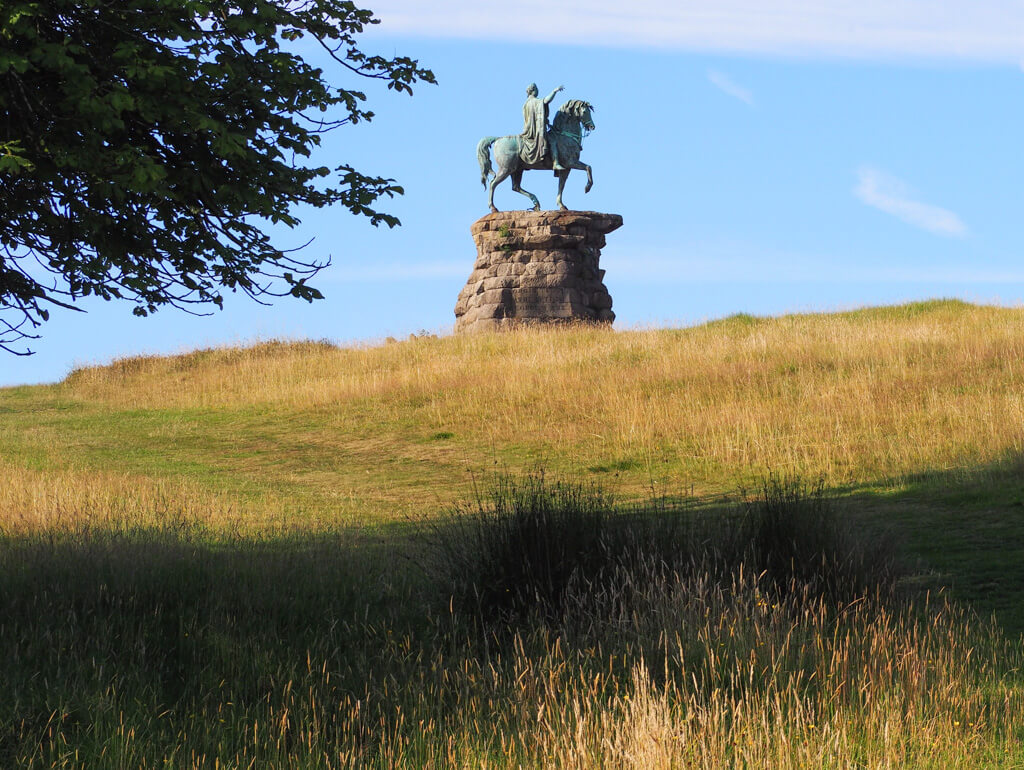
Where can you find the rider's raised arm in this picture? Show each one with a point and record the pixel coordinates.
(549, 97)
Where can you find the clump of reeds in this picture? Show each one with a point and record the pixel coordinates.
(536, 549)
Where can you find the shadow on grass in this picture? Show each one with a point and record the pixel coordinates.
(164, 628)
(960, 529)
(193, 645)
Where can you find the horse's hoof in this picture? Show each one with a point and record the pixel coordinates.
(536, 208)
(562, 207)
(494, 210)
(587, 188)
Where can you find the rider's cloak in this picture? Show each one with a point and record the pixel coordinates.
(533, 141)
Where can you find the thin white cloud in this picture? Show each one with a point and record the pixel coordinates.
(978, 30)
(891, 195)
(731, 87)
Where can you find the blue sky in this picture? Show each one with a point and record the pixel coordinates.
(767, 157)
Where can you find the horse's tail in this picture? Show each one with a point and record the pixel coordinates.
(483, 154)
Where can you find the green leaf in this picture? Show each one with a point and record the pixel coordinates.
(147, 145)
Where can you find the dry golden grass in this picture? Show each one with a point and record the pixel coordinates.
(69, 501)
(862, 396)
(797, 693)
(745, 686)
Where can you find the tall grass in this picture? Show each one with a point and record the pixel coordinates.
(54, 503)
(148, 648)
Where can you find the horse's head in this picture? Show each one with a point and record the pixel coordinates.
(587, 118)
(581, 111)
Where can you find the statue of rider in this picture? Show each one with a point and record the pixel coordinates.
(533, 142)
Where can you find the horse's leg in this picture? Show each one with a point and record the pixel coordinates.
(517, 185)
(562, 176)
(506, 161)
(590, 175)
(500, 176)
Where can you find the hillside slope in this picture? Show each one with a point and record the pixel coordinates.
(915, 412)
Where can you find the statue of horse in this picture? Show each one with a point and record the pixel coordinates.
(572, 122)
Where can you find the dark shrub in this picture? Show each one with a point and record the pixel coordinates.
(531, 549)
(513, 553)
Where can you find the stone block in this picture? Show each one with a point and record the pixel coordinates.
(495, 296)
(501, 282)
(490, 311)
(552, 280)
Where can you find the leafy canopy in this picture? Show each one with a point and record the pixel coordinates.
(145, 145)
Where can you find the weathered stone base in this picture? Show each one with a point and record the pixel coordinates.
(536, 267)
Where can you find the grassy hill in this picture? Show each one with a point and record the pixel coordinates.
(249, 470)
(914, 413)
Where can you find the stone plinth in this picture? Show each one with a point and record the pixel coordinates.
(536, 267)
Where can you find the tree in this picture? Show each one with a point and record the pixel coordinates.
(146, 145)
